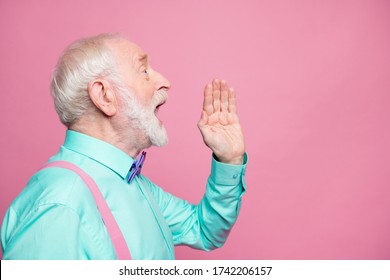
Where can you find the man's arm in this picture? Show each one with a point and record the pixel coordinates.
(55, 217)
(52, 232)
(206, 225)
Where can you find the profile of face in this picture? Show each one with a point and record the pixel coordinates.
(143, 92)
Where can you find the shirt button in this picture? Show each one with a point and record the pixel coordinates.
(235, 176)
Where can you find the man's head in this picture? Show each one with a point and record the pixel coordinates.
(108, 79)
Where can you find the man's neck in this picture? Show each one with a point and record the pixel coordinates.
(129, 140)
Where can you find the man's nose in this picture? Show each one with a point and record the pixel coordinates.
(162, 82)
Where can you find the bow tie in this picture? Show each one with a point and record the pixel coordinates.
(136, 167)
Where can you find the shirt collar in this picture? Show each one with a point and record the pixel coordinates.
(100, 151)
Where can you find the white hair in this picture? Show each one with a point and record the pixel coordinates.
(81, 62)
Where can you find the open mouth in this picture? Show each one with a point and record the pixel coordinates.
(158, 106)
(160, 98)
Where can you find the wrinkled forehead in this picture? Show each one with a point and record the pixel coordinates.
(127, 51)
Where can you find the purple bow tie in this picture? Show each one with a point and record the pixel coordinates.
(135, 168)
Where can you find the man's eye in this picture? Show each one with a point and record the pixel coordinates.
(146, 73)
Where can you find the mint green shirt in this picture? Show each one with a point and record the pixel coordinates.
(55, 216)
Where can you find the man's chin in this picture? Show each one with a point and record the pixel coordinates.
(160, 136)
(160, 142)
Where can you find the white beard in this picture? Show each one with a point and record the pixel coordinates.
(144, 118)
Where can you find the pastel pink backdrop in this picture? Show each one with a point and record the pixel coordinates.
(312, 80)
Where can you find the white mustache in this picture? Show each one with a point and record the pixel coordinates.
(160, 97)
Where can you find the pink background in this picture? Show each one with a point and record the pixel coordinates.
(313, 86)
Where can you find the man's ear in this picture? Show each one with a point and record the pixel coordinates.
(103, 97)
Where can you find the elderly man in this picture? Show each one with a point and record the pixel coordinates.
(108, 95)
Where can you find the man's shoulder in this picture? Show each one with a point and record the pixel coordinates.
(53, 186)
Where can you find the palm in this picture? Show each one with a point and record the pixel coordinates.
(219, 124)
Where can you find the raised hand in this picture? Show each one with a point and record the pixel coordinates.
(219, 124)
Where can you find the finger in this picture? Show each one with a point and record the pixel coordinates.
(224, 96)
(208, 99)
(217, 95)
(232, 101)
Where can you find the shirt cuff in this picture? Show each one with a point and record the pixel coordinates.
(228, 174)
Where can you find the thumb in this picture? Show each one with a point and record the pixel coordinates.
(203, 119)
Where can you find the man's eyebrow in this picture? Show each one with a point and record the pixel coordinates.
(143, 57)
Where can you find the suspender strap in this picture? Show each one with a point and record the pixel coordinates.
(120, 246)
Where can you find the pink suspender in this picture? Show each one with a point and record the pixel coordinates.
(120, 246)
